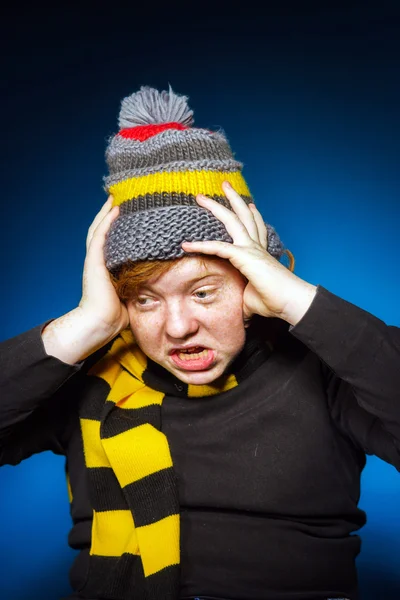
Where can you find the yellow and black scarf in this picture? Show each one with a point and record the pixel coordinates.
(135, 541)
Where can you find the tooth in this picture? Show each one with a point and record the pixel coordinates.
(188, 354)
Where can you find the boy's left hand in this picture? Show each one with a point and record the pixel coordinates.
(272, 290)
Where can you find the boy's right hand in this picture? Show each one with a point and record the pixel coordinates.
(99, 301)
(100, 315)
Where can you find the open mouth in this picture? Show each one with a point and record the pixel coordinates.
(191, 353)
(196, 358)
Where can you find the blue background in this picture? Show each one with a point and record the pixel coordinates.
(309, 99)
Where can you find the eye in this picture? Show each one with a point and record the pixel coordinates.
(204, 294)
(144, 301)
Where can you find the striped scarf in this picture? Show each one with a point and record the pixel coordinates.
(135, 542)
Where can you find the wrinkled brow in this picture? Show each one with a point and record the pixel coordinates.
(188, 282)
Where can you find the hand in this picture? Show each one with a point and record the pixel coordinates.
(100, 315)
(99, 299)
(272, 290)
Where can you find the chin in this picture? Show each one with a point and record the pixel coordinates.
(200, 377)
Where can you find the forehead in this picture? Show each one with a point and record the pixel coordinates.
(191, 269)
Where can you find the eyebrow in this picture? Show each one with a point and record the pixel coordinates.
(192, 281)
(196, 279)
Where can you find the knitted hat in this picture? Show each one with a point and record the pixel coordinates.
(158, 162)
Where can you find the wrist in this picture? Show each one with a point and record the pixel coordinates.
(74, 336)
(301, 297)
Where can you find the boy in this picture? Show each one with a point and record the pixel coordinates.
(214, 408)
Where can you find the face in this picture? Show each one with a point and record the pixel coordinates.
(190, 319)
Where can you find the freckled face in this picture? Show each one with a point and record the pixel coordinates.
(190, 319)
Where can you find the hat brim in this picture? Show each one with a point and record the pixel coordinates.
(158, 234)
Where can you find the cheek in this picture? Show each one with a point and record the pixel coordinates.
(231, 326)
(227, 320)
(145, 329)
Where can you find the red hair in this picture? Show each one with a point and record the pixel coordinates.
(132, 275)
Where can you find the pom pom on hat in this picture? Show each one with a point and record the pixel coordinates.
(149, 106)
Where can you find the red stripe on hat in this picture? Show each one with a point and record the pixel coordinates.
(144, 132)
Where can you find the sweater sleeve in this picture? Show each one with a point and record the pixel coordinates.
(360, 357)
(30, 383)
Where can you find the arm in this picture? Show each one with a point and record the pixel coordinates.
(361, 363)
(28, 376)
(32, 412)
(359, 353)
(37, 383)
(100, 315)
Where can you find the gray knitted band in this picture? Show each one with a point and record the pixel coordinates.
(194, 145)
(163, 199)
(158, 234)
(226, 166)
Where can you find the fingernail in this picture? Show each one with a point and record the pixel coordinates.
(228, 185)
(202, 197)
(186, 245)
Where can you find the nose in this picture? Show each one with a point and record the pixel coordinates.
(180, 321)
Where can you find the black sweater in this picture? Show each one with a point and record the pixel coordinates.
(268, 472)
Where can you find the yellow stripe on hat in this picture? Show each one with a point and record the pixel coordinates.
(113, 533)
(208, 183)
(157, 555)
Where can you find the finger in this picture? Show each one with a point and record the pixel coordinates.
(233, 224)
(95, 253)
(221, 249)
(261, 226)
(98, 218)
(240, 207)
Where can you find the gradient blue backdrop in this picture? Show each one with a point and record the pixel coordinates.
(309, 99)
